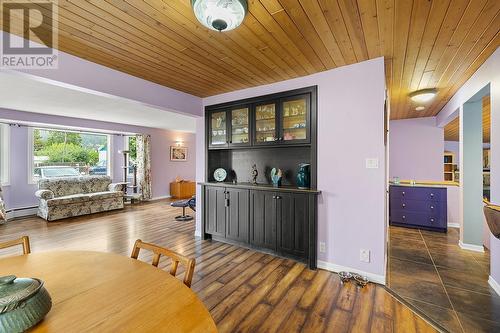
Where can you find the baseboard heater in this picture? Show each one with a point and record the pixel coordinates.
(19, 209)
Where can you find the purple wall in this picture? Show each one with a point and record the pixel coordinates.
(416, 149)
(454, 147)
(84, 74)
(351, 212)
(21, 194)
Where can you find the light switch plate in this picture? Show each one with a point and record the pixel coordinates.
(364, 255)
(371, 163)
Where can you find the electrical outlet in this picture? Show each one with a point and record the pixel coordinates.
(371, 163)
(322, 247)
(364, 255)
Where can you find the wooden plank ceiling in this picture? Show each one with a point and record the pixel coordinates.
(426, 44)
(452, 129)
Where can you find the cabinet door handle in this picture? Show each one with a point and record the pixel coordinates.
(404, 217)
(432, 195)
(274, 197)
(278, 197)
(403, 193)
(403, 205)
(432, 220)
(432, 207)
(226, 203)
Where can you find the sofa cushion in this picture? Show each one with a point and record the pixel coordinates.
(105, 195)
(68, 199)
(75, 185)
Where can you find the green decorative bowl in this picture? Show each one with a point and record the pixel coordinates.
(23, 303)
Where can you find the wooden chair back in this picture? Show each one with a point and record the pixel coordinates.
(177, 258)
(24, 241)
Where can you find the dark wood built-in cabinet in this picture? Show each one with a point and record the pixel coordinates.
(278, 131)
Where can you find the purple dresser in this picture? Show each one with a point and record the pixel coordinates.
(418, 207)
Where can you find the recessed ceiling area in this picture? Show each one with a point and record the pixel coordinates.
(452, 129)
(24, 93)
(426, 44)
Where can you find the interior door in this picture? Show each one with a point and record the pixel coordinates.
(263, 219)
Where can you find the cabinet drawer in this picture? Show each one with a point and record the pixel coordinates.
(417, 193)
(430, 206)
(418, 219)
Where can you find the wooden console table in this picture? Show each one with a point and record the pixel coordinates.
(183, 189)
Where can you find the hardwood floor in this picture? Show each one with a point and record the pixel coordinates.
(450, 285)
(245, 290)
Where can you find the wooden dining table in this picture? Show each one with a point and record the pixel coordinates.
(105, 292)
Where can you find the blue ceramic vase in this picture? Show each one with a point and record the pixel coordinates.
(304, 176)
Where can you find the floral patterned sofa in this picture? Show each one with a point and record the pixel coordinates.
(74, 196)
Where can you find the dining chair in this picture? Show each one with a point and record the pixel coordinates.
(176, 259)
(24, 241)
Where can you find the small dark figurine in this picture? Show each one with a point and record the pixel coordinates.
(255, 173)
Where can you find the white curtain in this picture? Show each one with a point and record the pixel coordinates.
(144, 165)
(3, 214)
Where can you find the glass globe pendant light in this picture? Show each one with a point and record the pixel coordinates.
(220, 15)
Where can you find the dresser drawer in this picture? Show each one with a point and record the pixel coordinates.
(417, 193)
(429, 206)
(417, 218)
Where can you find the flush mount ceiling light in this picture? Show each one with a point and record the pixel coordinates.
(420, 108)
(423, 96)
(220, 15)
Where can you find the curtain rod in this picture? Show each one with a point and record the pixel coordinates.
(65, 128)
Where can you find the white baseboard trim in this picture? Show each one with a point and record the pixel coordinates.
(453, 225)
(21, 213)
(380, 279)
(161, 198)
(495, 285)
(197, 233)
(471, 247)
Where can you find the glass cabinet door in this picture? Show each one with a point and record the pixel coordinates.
(294, 124)
(240, 126)
(218, 128)
(265, 123)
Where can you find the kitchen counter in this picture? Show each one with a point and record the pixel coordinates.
(425, 183)
(263, 187)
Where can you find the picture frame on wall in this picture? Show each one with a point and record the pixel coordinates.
(178, 154)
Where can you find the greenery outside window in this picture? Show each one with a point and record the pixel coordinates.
(4, 154)
(60, 153)
(130, 145)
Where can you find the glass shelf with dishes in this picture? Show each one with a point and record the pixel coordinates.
(294, 119)
(240, 124)
(265, 123)
(218, 128)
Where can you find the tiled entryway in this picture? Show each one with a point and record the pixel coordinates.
(450, 285)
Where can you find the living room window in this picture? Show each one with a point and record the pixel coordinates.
(4, 154)
(61, 153)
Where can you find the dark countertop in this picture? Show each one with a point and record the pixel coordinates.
(264, 187)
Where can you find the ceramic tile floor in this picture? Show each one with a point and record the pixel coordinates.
(450, 285)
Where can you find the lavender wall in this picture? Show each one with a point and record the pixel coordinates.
(20, 193)
(416, 149)
(454, 147)
(488, 73)
(351, 210)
